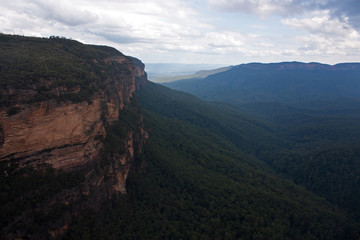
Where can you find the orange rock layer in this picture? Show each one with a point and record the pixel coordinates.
(66, 134)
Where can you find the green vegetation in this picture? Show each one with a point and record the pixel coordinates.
(322, 152)
(117, 132)
(53, 68)
(314, 110)
(332, 172)
(199, 185)
(244, 131)
(23, 193)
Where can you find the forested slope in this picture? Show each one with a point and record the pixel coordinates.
(316, 112)
(199, 185)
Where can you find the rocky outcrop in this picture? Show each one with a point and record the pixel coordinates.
(66, 135)
(72, 135)
(62, 135)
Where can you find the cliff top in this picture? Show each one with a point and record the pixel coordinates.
(54, 68)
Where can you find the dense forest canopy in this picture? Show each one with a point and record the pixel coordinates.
(315, 109)
(200, 185)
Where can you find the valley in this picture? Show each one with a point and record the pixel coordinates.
(258, 151)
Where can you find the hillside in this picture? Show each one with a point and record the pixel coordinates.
(286, 82)
(315, 109)
(199, 185)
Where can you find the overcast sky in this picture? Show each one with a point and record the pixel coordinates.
(198, 31)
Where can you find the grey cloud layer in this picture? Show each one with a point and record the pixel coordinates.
(346, 8)
(64, 11)
(186, 30)
(264, 7)
(337, 8)
(67, 14)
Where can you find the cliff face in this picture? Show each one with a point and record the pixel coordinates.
(65, 135)
(71, 135)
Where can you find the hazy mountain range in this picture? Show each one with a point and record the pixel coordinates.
(276, 82)
(165, 72)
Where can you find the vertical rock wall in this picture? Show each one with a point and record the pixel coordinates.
(71, 136)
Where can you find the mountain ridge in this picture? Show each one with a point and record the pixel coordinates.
(286, 82)
(300, 65)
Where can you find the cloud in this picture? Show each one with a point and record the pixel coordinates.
(122, 22)
(263, 7)
(345, 8)
(349, 9)
(318, 45)
(223, 39)
(188, 31)
(322, 23)
(64, 11)
(121, 38)
(328, 36)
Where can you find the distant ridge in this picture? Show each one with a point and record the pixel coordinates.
(200, 74)
(299, 65)
(277, 82)
(166, 72)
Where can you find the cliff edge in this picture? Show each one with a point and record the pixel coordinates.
(69, 107)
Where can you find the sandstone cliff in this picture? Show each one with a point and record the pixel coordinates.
(70, 126)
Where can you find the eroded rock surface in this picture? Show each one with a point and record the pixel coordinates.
(47, 122)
